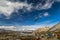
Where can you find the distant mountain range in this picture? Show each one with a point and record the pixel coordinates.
(13, 28)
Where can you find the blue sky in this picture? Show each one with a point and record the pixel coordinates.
(29, 13)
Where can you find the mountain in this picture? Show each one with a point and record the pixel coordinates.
(41, 30)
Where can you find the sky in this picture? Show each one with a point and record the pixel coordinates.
(29, 14)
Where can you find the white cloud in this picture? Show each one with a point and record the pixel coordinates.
(47, 5)
(7, 7)
(30, 27)
(8, 28)
(46, 14)
(37, 25)
(57, 0)
(21, 28)
(40, 16)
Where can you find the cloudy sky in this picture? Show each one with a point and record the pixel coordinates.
(30, 14)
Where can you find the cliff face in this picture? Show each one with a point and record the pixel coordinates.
(55, 28)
